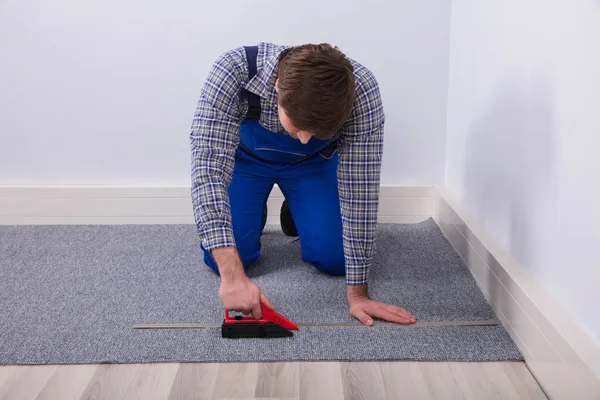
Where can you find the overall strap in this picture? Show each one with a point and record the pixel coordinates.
(253, 99)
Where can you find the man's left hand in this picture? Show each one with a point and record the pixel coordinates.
(365, 309)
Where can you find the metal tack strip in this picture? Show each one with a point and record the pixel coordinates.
(489, 322)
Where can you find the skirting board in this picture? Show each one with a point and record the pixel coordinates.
(66, 205)
(563, 358)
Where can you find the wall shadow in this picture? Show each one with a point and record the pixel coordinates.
(510, 163)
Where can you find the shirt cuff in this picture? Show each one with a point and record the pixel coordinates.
(357, 274)
(217, 237)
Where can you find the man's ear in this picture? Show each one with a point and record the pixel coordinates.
(277, 85)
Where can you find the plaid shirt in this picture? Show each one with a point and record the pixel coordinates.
(215, 137)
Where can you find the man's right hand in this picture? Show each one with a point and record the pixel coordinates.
(243, 295)
(238, 292)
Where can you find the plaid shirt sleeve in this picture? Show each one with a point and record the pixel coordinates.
(359, 169)
(214, 139)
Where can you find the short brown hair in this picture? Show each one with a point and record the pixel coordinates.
(316, 88)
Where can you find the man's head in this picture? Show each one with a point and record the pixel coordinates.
(315, 90)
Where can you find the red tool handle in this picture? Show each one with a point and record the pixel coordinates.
(267, 316)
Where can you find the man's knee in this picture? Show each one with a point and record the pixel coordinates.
(249, 258)
(328, 259)
(331, 265)
(248, 246)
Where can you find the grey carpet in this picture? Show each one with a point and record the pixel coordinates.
(70, 294)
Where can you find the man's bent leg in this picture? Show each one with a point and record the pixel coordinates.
(248, 193)
(312, 194)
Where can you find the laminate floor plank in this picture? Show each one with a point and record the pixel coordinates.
(278, 380)
(68, 382)
(5, 372)
(131, 381)
(151, 382)
(321, 380)
(363, 381)
(194, 381)
(26, 382)
(405, 380)
(236, 381)
(441, 381)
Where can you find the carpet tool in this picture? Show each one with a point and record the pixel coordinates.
(271, 325)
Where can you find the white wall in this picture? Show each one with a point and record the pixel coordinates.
(103, 92)
(523, 137)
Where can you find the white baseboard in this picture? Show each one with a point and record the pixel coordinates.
(53, 205)
(562, 357)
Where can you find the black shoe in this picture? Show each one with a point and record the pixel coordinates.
(287, 222)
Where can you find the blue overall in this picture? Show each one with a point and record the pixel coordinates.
(307, 177)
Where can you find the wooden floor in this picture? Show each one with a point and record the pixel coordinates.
(304, 380)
